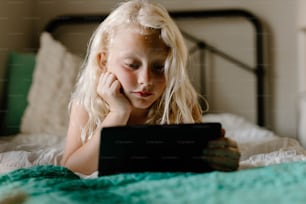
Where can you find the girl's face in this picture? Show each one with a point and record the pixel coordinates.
(138, 61)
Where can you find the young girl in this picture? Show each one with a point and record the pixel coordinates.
(135, 73)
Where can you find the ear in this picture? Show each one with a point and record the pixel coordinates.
(102, 60)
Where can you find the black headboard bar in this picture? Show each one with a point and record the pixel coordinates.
(205, 46)
(258, 68)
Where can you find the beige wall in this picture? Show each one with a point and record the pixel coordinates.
(302, 71)
(16, 25)
(278, 15)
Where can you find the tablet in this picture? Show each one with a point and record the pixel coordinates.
(155, 148)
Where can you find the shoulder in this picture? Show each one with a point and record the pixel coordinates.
(78, 112)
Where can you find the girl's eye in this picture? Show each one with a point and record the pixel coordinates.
(132, 65)
(158, 68)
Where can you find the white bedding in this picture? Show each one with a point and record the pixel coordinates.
(26, 150)
(259, 147)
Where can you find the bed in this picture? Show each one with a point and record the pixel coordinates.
(272, 167)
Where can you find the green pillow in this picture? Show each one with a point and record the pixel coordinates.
(20, 68)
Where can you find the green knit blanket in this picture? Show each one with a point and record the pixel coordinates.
(283, 183)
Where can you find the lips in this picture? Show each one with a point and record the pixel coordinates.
(143, 93)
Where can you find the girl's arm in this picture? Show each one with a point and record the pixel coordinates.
(83, 158)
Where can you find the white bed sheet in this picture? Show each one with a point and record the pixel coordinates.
(26, 150)
(258, 146)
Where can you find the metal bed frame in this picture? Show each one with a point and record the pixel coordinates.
(257, 70)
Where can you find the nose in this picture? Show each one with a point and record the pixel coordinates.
(144, 76)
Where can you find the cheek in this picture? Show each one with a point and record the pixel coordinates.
(160, 83)
(126, 79)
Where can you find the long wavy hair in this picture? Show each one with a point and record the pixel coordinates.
(178, 104)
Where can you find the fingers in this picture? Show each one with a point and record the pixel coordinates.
(222, 132)
(221, 164)
(222, 154)
(108, 84)
(227, 153)
(109, 80)
(109, 89)
(222, 143)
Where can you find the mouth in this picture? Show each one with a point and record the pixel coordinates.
(143, 93)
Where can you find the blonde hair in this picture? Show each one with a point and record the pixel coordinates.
(178, 104)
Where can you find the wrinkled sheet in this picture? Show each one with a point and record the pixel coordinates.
(26, 150)
(258, 146)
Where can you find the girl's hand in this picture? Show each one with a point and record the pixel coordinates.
(109, 88)
(222, 154)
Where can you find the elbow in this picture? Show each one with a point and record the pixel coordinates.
(77, 168)
(63, 162)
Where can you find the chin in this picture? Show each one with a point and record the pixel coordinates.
(142, 105)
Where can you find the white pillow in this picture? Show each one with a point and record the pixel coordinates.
(53, 80)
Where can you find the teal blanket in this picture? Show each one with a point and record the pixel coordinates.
(284, 183)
